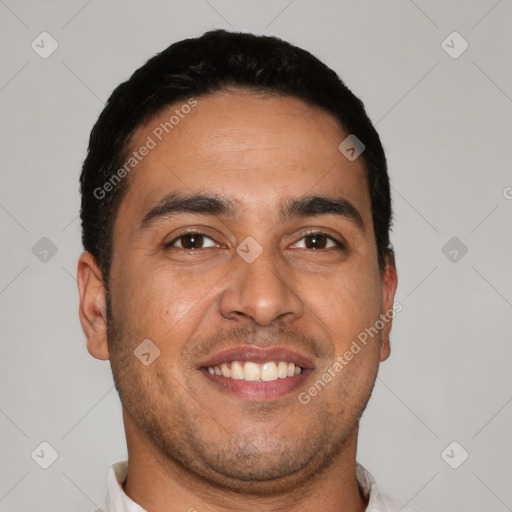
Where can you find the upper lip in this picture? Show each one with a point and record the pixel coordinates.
(258, 355)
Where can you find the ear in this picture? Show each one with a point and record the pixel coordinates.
(389, 284)
(93, 309)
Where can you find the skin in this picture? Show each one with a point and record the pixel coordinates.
(191, 444)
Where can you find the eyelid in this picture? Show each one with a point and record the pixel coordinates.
(190, 232)
(341, 244)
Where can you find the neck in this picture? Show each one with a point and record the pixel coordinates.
(159, 484)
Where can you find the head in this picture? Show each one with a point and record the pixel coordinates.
(217, 213)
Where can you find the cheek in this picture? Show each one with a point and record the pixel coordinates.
(345, 303)
(162, 303)
(180, 295)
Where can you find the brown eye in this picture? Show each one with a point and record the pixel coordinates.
(192, 241)
(317, 241)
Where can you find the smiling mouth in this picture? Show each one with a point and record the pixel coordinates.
(252, 371)
(257, 373)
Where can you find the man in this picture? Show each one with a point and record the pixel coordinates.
(239, 277)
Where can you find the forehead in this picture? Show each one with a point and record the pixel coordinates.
(251, 147)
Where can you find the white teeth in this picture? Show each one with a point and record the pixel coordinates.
(251, 371)
(269, 371)
(282, 370)
(237, 370)
(226, 372)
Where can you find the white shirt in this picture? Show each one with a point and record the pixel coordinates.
(118, 501)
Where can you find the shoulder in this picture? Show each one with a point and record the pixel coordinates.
(377, 501)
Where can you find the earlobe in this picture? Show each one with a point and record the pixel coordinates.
(92, 310)
(389, 285)
(385, 349)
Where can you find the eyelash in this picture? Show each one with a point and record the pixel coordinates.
(339, 244)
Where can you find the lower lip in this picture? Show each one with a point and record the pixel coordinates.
(256, 390)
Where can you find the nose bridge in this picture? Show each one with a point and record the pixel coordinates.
(260, 288)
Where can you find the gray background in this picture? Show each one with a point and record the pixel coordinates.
(446, 125)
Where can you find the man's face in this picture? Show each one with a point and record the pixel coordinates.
(303, 299)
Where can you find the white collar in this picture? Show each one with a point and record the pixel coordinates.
(117, 500)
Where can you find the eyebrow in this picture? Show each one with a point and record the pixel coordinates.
(309, 206)
(219, 206)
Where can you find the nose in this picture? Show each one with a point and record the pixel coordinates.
(261, 291)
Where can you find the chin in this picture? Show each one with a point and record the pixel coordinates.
(261, 476)
(246, 468)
